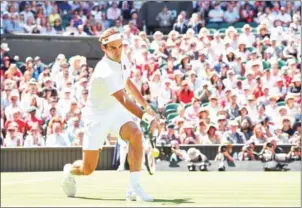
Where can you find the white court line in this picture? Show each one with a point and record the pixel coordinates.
(28, 181)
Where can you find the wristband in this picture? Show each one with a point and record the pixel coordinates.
(155, 133)
(147, 118)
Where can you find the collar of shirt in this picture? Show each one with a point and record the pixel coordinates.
(113, 63)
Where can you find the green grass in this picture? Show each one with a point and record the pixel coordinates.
(108, 188)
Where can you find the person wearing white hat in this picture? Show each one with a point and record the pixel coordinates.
(194, 81)
(293, 108)
(247, 35)
(295, 87)
(4, 50)
(14, 103)
(272, 108)
(13, 138)
(196, 160)
(108, 101)
(189, 136)
(234, 135)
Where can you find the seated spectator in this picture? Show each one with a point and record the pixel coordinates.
(247, 13)
(283, 138)
(204, 114)
(284, 17)
(57, 138)
(168, 136)
(166, 96)
(13, 138)
(195, 23)
(57, 25)
(84, 97)
(71, 29)
(14, 26)
(234, 135)
(32, 120)
(290, 51)
(231, 15)
(180, 26)
(34, 138)
(54, 16)
(295, 87)
(79, 136)
(17, 118)
(192, 112)
(188, 136)
(185, 94)
(287, 126)
(216, 14)
(14, 104)
(233, 108)
(70, 112)
(202, 133)
(71, 130)
(246, 128)
(113, 13)
(213, 135)
(27, 12)
(259, 136)
(135, 20)
(222, 124)
(13, 73)
(203, 93)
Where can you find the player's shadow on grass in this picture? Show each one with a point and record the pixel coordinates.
(95, 198)
(174, 201)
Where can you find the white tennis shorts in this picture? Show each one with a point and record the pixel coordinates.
(99, 126)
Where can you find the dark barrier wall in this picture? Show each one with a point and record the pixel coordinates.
(48, 47)
(53, 159)
(47, 159)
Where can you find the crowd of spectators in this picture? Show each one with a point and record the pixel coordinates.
(237, 86)
(85, 18)
(80, 18)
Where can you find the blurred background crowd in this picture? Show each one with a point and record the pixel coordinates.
(228, 72)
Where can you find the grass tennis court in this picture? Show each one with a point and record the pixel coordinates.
(108, 188)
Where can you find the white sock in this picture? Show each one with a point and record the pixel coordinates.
(123, 154)
(134, 178)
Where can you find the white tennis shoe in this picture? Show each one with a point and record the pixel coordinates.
(130, 195)
(140, 194)
(68, 184)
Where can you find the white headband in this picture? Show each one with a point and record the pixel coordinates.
(111, 38)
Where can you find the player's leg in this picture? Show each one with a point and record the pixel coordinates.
(94, 137)
(131, 133)
(87, 165)
(80, 167)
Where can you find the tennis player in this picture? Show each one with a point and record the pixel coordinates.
(108, 109)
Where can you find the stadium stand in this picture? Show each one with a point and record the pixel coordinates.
(227, 72)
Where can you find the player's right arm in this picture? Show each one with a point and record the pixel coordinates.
(114, 87)
(129, 104)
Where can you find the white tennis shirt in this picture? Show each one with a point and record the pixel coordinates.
(107, 78)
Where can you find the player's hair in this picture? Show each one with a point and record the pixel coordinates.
(107, 33)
